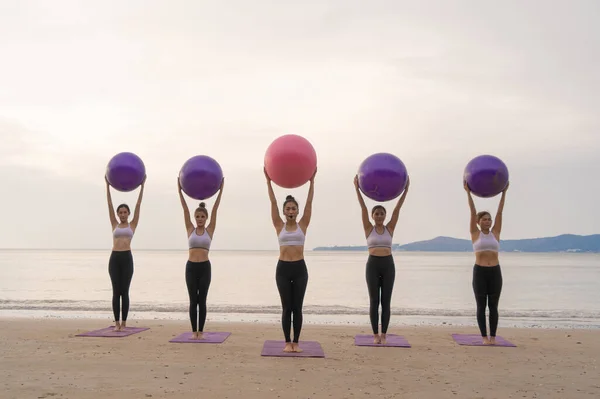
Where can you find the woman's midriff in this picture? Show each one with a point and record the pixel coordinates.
(198, 255)
(380, 251)
(121, 244)
(291, 253)
(486, 258)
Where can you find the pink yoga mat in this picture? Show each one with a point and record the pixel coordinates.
(109, 332)
(391, 340)
(208, 338)
(309, 348)
(477, 340)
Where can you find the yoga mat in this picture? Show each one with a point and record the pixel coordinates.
(391, 340)
(275, 348)
(109, 332)
(208, 338)
(477, 340)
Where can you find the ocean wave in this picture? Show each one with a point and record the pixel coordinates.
(71, 305)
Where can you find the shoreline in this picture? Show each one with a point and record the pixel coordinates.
(354, 320)
(184, 324)
(44, 359)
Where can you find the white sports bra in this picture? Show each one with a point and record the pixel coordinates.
(287, 238)
(199, 241)
(119, 232)
(376, 240)
(486, 242)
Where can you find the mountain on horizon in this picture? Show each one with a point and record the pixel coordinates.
(561, 243)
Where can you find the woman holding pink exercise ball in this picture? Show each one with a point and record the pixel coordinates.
(290, 162)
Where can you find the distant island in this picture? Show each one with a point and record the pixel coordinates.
(562, 243)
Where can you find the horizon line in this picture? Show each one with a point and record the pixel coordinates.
(275, 249)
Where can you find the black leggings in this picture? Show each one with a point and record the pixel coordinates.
(381, 274)
(120, 269)
(487, 286)
(291, 278)
(197, 279)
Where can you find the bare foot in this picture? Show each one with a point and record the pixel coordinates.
(195, 335)
(123, 325)
(376, 339)
(288, 347)
(200, 335)
(382, 340)
(117, 326)
(486, 341)
(296, 348)
(492, 340)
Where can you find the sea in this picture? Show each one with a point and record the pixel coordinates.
(543, 290)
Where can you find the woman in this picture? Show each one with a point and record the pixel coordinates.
(198, 268)
(487, 277)
(291, 274)
(120, 264)
(381, 271)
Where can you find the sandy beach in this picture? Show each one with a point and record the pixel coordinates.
(42, 358)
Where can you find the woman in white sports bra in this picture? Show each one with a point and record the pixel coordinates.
(291, 274)
(380, 271)
(120, 264)
(198, 267)
(487, 276)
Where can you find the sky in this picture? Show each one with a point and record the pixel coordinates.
(434, 82)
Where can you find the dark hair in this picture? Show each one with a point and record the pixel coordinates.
(482, 214)
(123, 206)
(376, 207)
(289, 198)
(202, 208)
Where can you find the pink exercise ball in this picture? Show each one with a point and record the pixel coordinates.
(290, 161)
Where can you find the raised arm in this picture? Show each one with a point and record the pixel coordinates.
(473, 223)
(391, 226)
(307, 214)
(213, 215)
(186, 211)
(497, 229)
(277, 221)
(111, 209)
(138, 205)
(367, 225)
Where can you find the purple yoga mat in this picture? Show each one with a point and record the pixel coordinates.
(309, 349)
(109, 332)
(208, 338)
(392, 340)
(477, 340)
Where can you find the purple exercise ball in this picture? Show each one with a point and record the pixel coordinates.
(200, 177)
(382, 177)
(125, 171)
(486, 176)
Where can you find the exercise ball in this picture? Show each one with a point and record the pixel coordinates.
(290, 161)
(382, 177)
(200, 177)
(125, 171)
(486, 176)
